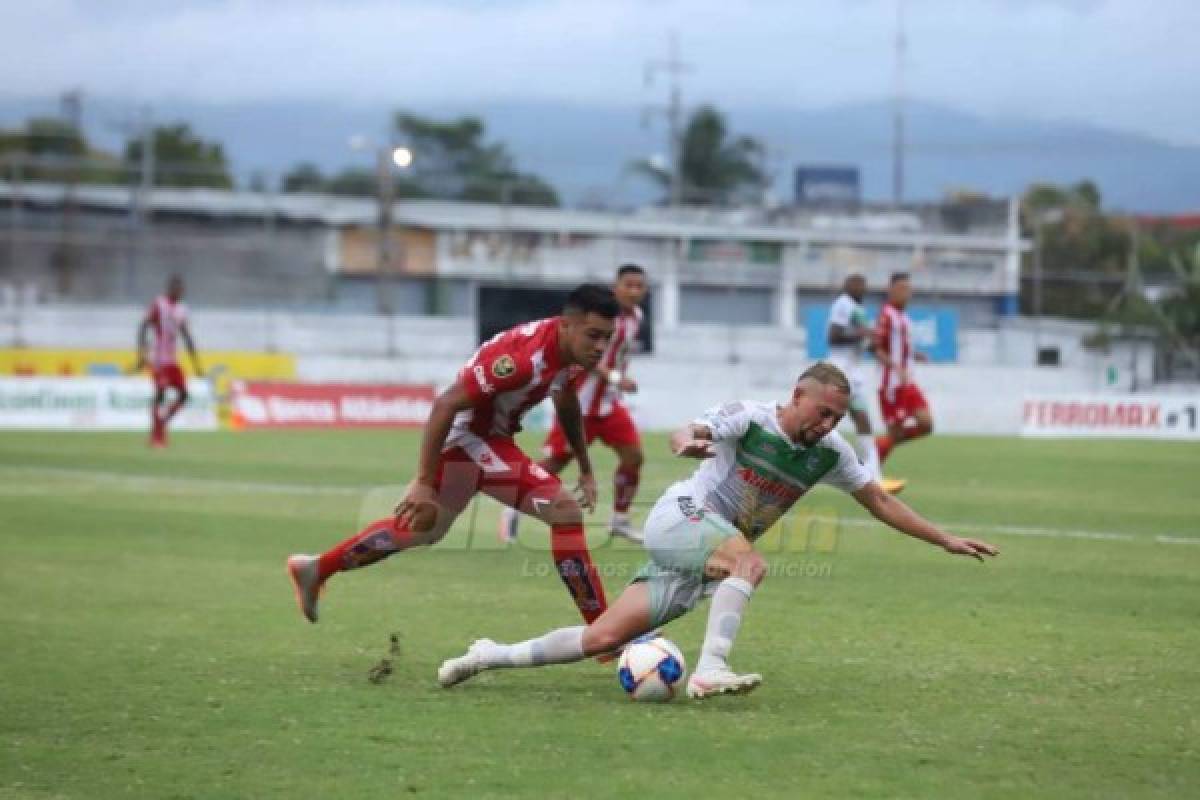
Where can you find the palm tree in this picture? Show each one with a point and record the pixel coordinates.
(714, 170)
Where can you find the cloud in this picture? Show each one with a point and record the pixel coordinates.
(1107, 61)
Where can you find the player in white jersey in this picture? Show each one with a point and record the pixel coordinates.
(759, 459)
(605, 417)
(849, 334)
(167, 321)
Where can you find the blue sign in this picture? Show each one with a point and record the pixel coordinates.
(934, 330)
(827, 186)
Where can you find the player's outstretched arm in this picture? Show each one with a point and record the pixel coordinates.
(894, 513)
(186, 333)
(441, 416)
(692, 441)
(143, 342)
(570, 417)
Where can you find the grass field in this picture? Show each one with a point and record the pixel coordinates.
(151, 647)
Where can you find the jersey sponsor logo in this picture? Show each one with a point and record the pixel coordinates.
(762, 483)
(539, 473)
(481, 379)
(688, 507)
(504, 366)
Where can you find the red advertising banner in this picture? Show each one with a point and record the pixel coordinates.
(261, 404)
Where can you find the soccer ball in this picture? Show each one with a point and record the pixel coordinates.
(651, 669)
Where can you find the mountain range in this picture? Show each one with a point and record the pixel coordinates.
(582, 150)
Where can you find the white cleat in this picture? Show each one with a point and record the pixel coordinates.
(621, 526)
(721, 681)
(510, 518)
(454, 671)
(304, 570)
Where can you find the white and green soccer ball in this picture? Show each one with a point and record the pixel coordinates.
(651, 669)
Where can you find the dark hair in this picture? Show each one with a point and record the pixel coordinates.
(897, 277)
(592, 298)
(625, 269)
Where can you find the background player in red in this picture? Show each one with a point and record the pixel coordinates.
(166, 320)
(905, 410)
(468, 447)
(604, 415)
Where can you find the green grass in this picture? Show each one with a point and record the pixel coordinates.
(151, 647)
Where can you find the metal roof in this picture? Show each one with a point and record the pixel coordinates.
(338, 211)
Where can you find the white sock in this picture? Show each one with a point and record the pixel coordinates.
(561, 646)
(724, 619)
(870, 455)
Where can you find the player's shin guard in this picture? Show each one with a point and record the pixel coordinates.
(625, 486)
(575, 566)
(377, 541)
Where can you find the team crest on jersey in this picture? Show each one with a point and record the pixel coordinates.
(813, 461)
(504, 366)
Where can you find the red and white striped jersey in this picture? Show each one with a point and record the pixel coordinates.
(597, 394)
(166, 318)
(507, 376)
(893, 331)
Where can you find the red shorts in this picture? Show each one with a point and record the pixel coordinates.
(905, 402)
(169, 376)
(615, 430)
(494, 466)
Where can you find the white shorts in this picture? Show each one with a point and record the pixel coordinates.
(859, 401)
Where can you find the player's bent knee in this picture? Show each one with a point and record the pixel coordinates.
(563, 509)
(751, 567)
(632, 458)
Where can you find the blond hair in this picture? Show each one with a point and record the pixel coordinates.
(826, 374)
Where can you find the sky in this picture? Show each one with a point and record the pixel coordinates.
(1132, 65)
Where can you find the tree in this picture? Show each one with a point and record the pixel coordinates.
(181, 158)
(714, 169)
(52, 149)
(452, 160)
(304, 177)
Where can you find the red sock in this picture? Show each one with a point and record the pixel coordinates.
(625, 485)
(575, 566)
(884, 445)
(373, 543)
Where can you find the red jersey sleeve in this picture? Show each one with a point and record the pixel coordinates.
(493, 370)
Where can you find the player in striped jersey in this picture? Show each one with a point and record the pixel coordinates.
(468, 447)
(605, 417)
(905, 409)
(167, 321)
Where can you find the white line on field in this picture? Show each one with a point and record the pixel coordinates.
(141, 482)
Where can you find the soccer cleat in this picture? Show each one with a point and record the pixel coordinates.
(454, 671)
(304, 570)
(721, 681)
(621, 526)
(893, 485)
(509, 519)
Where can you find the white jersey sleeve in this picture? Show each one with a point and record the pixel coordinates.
(842, 311)
(729, 421)
(848, 474)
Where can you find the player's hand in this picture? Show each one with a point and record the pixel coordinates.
(418, 510)
(586, 492)
(627, 385)
(969, 547)
(694, 448)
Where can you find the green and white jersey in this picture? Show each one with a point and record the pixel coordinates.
(848, 313)
(758, 473)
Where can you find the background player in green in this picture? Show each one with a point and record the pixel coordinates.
(759, 459)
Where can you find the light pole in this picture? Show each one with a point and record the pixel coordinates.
(388, 156)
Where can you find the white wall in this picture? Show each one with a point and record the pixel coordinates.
(694, 366)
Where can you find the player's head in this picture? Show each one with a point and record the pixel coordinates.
(630, 287)
(899, 289)
(175, 288)
(855, 285)
(819, 401)
(587, 323)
